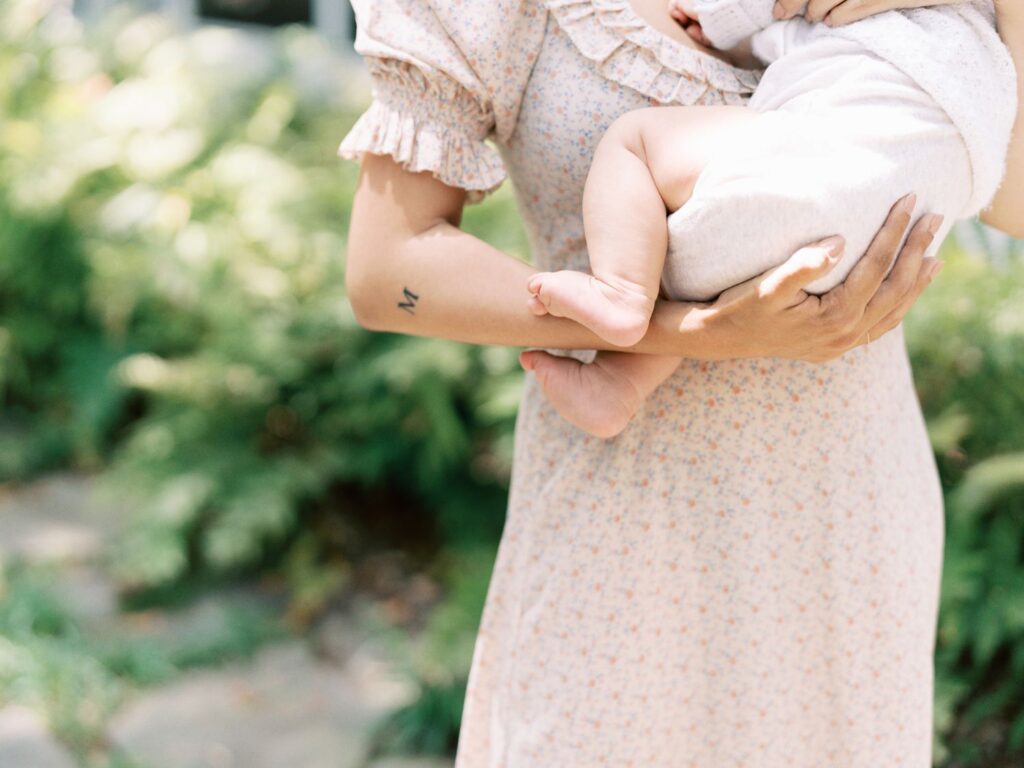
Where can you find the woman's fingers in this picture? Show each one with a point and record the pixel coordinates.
(906, 272)
(928, 272)
(864, 280)
(787, 9)
(786, 282)
(817, 10)
(855, 10)
(853, 319)
(839, 12)
(787, 321)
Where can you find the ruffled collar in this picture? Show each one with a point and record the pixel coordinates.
(628, 51)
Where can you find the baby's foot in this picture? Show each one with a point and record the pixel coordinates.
(617, 314)
(595, 397)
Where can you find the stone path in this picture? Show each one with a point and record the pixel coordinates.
(282, 709)
(25, 741)
(297, 703)
(59, 519)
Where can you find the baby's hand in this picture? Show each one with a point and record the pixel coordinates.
(689, 7)
(685, 13)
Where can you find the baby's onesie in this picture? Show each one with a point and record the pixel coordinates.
(853, 118)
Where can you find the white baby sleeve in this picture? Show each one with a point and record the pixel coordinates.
(727, 23)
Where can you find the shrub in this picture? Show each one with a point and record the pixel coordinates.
(172, 220)
(967, 343)
(172, 297)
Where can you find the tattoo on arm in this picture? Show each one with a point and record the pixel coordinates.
(409, 305)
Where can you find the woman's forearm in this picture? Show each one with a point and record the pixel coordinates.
(411, 270)
(446, 283)
(1007, 210)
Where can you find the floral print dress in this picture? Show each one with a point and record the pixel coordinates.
(748, 576)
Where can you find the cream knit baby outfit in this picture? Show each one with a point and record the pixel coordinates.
(855, 117)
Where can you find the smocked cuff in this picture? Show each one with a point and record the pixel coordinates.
(727, 23)
(427, 122)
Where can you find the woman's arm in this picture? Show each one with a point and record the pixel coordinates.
(1007, 210)
(411, 270)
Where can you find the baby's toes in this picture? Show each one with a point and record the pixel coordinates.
(536, 306)
(540, 362)
(536, 282)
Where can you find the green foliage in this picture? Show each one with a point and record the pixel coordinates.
(172, 221)
(78, 675)
(427, 726)
(43, 661)
(172, 299)
(438, 662)
(967, 342)
(150, 660)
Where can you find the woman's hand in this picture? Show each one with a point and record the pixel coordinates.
(772, 316)
(838, 12)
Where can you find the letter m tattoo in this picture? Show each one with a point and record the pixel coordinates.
(409, 304)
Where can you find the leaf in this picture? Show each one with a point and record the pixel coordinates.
(948, 429)
(987, 482)
(988, 634)
(1016, 735)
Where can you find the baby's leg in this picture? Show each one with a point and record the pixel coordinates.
(670, 145)
(645, 165)
(601, 397)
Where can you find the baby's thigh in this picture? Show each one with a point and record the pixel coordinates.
(675, 144)
(799, 179)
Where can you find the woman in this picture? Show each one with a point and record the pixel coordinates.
(748, 575)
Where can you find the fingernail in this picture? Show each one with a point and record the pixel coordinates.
(908, 203)
(828, 20)
(936, 268)
(833, 245)
(778, 11)
(933, 222)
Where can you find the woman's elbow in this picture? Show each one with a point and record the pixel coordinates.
(1014, 229)
(1010, 222)
(363, 307)
(362, 289)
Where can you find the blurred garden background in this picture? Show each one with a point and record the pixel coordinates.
(236, 529)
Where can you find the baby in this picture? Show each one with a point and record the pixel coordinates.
(844, 121)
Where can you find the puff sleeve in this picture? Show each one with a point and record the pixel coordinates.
(434, 88)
